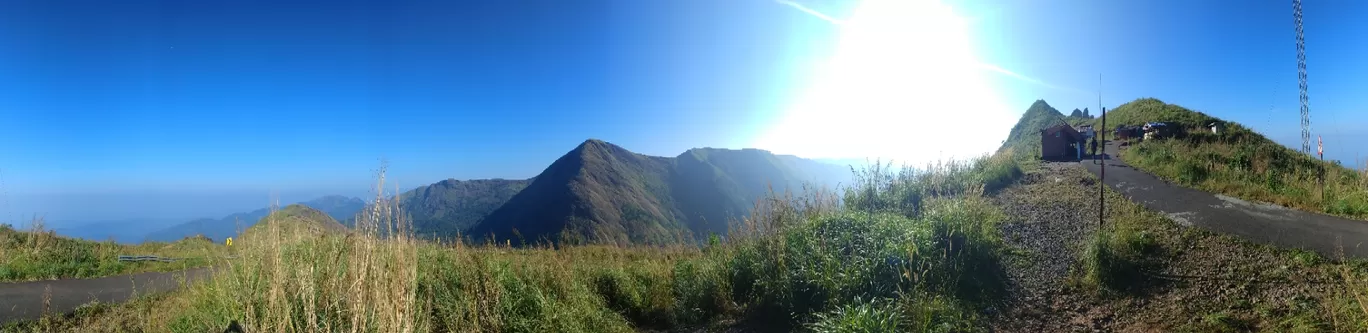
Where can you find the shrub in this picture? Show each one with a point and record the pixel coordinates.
(1115, 258)
(875, 316)
(1191, 172)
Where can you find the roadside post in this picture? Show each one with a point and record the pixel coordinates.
(1320, 175)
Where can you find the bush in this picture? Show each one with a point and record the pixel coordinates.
(1191, 172)
(1115, 257)
(701, 289)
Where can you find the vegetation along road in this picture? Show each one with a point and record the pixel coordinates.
(26, 300)
(1255, 221)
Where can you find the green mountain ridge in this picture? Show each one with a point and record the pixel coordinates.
(1024, 137)
(603, 193)
(450, 206)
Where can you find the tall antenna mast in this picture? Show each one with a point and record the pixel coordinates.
(1301, 79)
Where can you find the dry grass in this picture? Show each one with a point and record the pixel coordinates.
(365, 281)
(799, 259)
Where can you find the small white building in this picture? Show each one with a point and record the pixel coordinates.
(1086, 131)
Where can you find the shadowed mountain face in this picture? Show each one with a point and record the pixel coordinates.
(450, 206)
(602, 193)
(337, 207)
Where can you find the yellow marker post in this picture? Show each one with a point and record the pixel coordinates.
(228, 241)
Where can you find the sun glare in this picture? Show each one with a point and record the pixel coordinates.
(904, 84)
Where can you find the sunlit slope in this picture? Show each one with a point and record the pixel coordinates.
(1024, 139)
(296, 220)
(36, 254)
(1238, 162)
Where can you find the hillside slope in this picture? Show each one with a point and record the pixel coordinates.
(298, 220)
(717, 185)
(602, 193)
(1024, 137)
(451, 206)
(338, 207)
(1239, 162)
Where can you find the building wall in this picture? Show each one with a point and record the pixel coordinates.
(1052, 146)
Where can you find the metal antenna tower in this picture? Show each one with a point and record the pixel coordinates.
(1301, 78)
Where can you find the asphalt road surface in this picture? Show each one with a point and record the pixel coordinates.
(24, 300)
(1254, 221)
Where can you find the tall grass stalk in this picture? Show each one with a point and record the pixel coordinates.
(282, 281)
(864, 260)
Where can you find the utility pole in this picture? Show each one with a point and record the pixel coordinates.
(1101, 184)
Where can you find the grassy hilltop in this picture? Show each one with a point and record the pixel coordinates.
(1240, 162)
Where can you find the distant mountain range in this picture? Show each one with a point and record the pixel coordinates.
(602, 193)
(122, 231)
(596, 193)
(338, 207)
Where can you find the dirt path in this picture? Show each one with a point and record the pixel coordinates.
(1048, 221)
(1211, 282)
(1258, 222)
(24, 300)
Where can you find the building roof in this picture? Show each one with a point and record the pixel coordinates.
(1069, 130)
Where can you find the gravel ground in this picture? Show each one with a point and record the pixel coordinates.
(1201, 282)
(1046, 228)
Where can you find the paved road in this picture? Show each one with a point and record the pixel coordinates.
(24, 300)
(1255, 221)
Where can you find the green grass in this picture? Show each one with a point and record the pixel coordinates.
(38, 254)
(1115, 258)
(1239, 162)
(801, 261)
(1185, 279)
(883, 316)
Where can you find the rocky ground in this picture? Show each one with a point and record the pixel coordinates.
(1200, 281)
(1046, 231)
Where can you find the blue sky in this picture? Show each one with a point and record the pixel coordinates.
(113, 110)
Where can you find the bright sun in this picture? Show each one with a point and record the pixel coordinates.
(904, 83)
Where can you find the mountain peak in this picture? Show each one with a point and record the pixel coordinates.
(1025, 135)
(603, 193)
(594, 143)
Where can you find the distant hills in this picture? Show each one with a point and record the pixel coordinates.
(603, 193)
(596, 193)
(337, 207)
